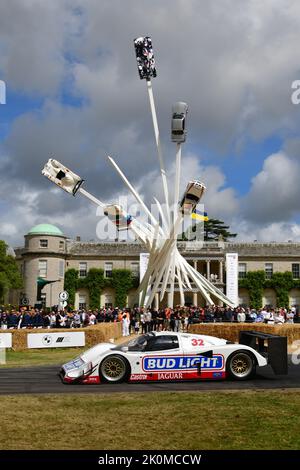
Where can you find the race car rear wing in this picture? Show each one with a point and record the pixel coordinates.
(272, 347)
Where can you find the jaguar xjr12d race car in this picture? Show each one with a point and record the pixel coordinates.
(169, 356)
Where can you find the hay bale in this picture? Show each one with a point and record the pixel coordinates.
(230, 331)
(102, 332)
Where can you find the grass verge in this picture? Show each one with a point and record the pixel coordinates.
(170, 420)
(47, 356)
(36, 357)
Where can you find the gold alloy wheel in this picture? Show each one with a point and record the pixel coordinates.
(241, 365)
(113, 368)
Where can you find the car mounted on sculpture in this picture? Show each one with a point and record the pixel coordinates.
(170, 356)
(178, 128)
(144, 57)
(192, 196)
(62, 176)
(118, 216)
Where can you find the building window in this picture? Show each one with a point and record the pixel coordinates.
(82, 302)
(108, 269)
(43, 243)
(61, 245)
(42, 268)
(242, 270)
(296, 270)
(82, 269)
(135, 269)
(269, 270)
(61, 268)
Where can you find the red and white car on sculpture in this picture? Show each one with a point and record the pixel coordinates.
(166, 356)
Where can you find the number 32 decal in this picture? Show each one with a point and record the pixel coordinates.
(197, 342)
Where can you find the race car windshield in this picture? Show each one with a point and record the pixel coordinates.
(139, 343)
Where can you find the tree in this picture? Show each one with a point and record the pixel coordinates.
(214, 228)
(211, 229)
(10, 277)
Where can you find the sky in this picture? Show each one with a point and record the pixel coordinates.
(73, 93)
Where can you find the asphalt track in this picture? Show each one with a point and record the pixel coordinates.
(45, 379)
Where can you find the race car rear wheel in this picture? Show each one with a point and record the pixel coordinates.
(114, 369)
(241, 365)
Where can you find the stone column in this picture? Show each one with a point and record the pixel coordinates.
(208, 269)
(156, 301)
(221, 271)
(170, 300)
(195, 295)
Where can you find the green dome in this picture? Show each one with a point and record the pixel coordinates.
(45, 229)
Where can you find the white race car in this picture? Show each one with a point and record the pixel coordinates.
(166, 356)
(62, 176)
(118, 216)
(192, 196)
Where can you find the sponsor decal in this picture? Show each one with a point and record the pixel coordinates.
(91, 380)
(47, 339)
(170, 376)
(138, 377)
(63, 339)
(160, 363)
(217, 375)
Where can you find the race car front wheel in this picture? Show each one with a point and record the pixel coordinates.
(114, 369)
(241, 365)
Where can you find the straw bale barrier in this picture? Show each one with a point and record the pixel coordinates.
(102, 332)
(230, 331)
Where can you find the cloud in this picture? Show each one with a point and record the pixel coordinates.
(32, 35)
(232, 63)
(268, 232)
(275, 191)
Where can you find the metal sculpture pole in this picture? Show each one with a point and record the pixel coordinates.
(159, 151)
(146, 69)
(91, 197)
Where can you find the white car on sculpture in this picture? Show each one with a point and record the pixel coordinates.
(192, 196)
(178, 127)
(62, 176)
(168, 356)
(117, 215)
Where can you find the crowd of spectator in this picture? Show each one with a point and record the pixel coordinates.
(142, 320)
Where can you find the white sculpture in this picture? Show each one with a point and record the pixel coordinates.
(166, 266)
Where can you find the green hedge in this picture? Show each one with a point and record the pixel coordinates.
(256, 282)
(122, 281)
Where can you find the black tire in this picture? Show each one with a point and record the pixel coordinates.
(241, 365)
(114, 369)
